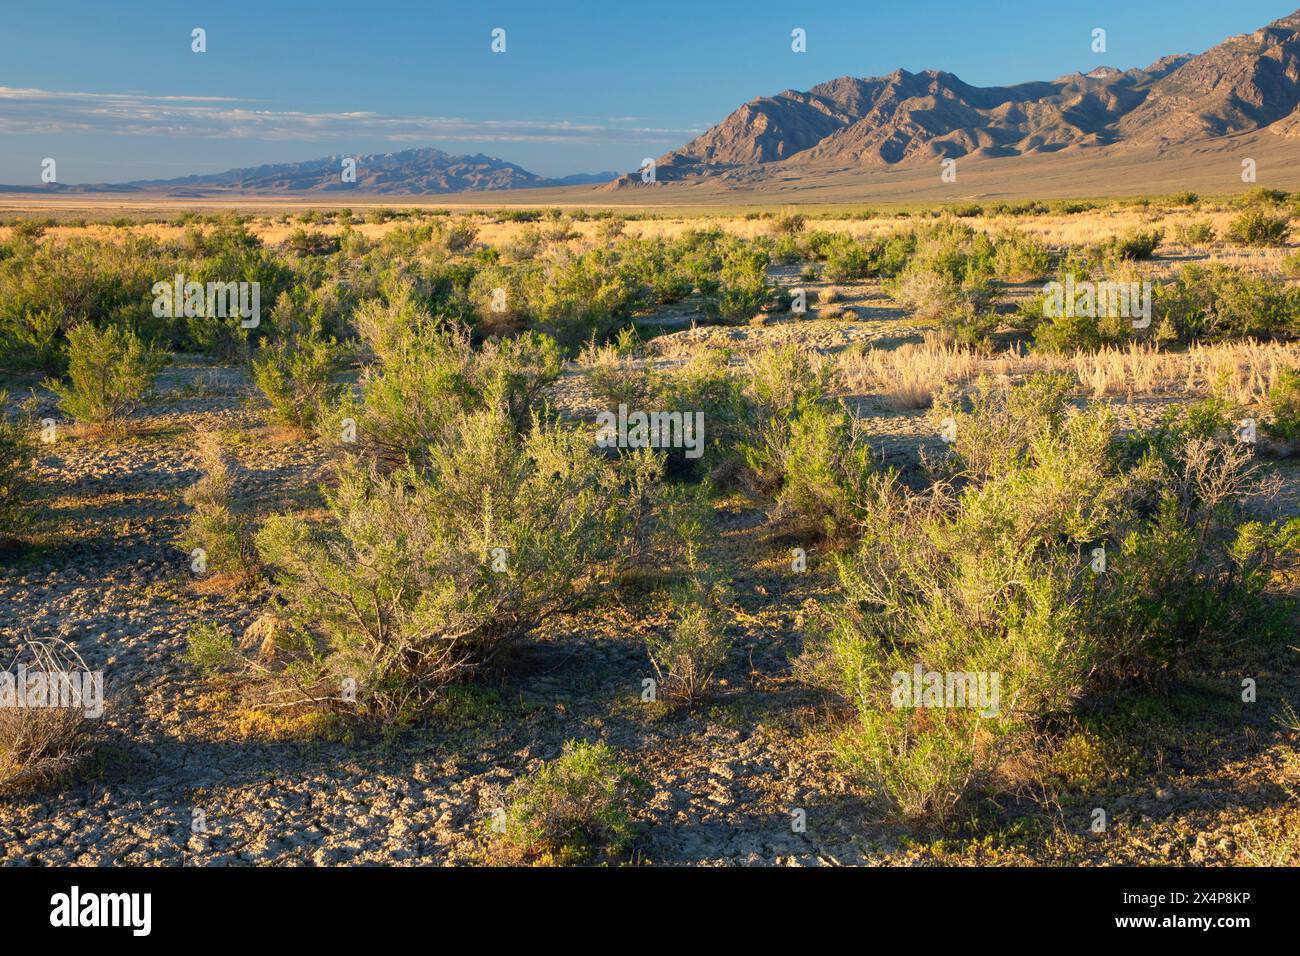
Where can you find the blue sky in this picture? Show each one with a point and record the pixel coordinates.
(112, 91)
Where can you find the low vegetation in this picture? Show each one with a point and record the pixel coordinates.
(934, 480)
(574, 809)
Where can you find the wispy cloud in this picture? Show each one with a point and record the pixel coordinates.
(32, 111)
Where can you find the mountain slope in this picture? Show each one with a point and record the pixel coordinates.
(1244, 84)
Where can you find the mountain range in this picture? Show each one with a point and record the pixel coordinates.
(411, 171)
(1247, 83)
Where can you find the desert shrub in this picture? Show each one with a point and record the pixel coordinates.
(951, 267)
(968, 326)
(704, 391)
(788, 223)
(779, 380)
(419, 577)
(218, 534)
(574, 297)
(294, 374)
(210, 649)
(847, 259)
(1107, 309)
(611, 229)
(816, 242)
(1019, 257)
(573, 809)
(388, 324)
(1185, 199)
(690, 650)
(425, 374)
(40, 745)
(815, 463)
(993, 428)
(1218, 302)
(999, 577)
(1200, 233)
(1136, 244)
(50, 287)
(786, 249)
(655, 267)
(28, 229)
(1256, 227)
(17, 446)
(558, 230)
(1263, 196)
(744, 288)
(616, 377)
(931, 293)
(807, 452)
(706, 384)
(313, 243)
(110, 372)
(1284, 405)
(32, 340)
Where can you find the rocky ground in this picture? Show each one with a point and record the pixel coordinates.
(183, 776)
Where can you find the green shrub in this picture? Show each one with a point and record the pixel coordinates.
(999, 577)
(788, 223)
(314, 243)
(688, 653)
(573, 809)
(993, 428)
(425, 375)
(816, 464)
(744, 288)
(1136, 244)
(951, 267)
(210, 649)
(1199, 233)
(294, 374)
(617, 378)
(847, 259)
(1284, 404)
(1255, 227)
(109, 374)
(218, 535)
(611, 230)
(1218, 302)
(452, 560)
(708, 385)
(655, 266)
(1262, 196)
(1020, 257)
(17, 447)
(779, 380)
(575, 297)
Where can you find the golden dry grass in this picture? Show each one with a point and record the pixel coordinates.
(907, 377)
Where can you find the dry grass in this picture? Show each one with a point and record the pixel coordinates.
(1242, 372)
(39, 745)
(907, 377)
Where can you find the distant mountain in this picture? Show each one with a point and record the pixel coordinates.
(409, 172)
(1247, 83)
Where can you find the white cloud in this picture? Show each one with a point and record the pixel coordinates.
(31, 111)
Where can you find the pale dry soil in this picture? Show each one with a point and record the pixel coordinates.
(1206, 784)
